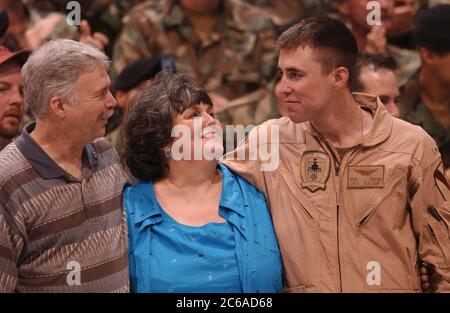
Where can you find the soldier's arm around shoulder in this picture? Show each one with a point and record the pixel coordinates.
(430, 195)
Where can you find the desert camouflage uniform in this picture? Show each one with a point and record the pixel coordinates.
(237, 58)
(414, 110)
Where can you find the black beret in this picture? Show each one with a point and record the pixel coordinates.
(433, 29)
(137, 72)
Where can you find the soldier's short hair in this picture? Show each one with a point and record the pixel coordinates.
(53, 70)
(374, 62)
(333, 42)
(148, 127)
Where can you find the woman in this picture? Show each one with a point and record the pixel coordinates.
(193, 225)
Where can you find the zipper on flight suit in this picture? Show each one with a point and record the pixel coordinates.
(336, 160)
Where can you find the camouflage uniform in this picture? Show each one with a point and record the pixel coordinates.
(263, 108)
(282, 12)
(62, 29)
(237, 58)
(415, 111)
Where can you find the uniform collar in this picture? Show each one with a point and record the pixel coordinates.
(381, 123)
(41, 161)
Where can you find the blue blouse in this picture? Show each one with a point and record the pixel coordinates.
(244, 208)
(193, 259)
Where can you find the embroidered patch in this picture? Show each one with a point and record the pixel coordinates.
(314, 170)
(442, 183)
(365, 176)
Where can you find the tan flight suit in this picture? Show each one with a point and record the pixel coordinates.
(359, 223)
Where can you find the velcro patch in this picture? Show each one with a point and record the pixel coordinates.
(365, 176)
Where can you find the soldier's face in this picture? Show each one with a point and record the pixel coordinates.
(383, 84)
(11, 100)
(303, 88)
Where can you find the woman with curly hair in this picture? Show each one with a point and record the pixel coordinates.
(194, 226)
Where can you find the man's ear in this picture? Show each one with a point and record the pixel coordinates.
(427, 56)
(342, 6)
(58, 106)
(340, 77)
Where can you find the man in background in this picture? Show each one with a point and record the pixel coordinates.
(11, 98)
(375, 74)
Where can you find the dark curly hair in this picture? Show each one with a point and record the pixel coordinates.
(150, 119)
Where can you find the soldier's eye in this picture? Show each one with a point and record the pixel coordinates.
(295, 75)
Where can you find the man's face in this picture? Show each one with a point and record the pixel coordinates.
(11, 100)
(93, 104)
(383, 84)
(303, 89)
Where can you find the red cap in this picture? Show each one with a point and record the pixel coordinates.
(6, 55)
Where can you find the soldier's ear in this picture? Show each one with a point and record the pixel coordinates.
(340, 77)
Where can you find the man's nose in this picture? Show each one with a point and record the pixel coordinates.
(16, 97)
(110, 101)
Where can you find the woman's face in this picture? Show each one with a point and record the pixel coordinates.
(198, 132)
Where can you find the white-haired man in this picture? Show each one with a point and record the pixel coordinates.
(61, 218)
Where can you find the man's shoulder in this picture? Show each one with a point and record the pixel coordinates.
(11, 162)
(249, 17)
(411, 138)
(284, 130)
(104, 151)
(149, 11)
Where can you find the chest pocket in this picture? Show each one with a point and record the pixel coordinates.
(390, 199)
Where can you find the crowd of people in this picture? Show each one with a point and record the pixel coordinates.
(356, 113)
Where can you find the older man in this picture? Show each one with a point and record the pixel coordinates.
(61, 218)
(11, 99)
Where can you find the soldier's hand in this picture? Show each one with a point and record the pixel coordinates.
(97, 39)
(376, 41)
(426, 277)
